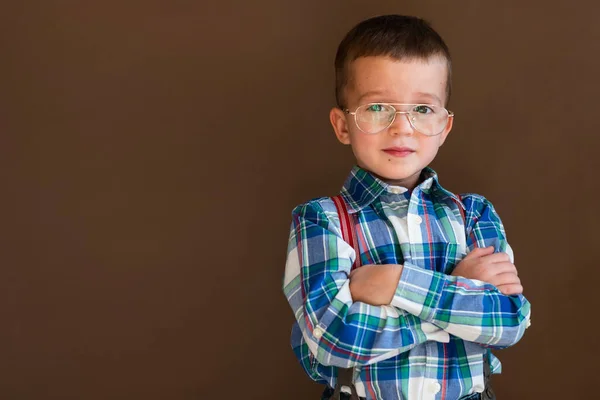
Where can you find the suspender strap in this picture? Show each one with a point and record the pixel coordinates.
(464, 217)
(344, 378)
(348, 224)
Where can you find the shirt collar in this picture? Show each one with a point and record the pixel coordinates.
(362, 188)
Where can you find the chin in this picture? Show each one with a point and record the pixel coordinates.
(392, 173)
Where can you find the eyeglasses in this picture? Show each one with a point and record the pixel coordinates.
(428, 119)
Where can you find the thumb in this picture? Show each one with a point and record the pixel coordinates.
(480, 252)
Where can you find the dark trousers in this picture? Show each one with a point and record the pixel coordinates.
(328, 392)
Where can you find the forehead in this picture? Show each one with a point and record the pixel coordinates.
(397, 81)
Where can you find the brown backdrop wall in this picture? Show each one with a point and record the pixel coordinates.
(153, 151)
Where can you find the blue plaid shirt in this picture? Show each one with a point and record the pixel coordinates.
(431, 341)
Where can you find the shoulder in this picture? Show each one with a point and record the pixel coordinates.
(320, 210)
(475, 202)
(478, 206)
(318, 204)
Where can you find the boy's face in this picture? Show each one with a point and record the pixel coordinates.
(385, 80)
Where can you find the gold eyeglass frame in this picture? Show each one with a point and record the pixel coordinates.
(407, 113)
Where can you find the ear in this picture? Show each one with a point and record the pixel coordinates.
(340, 125)
(447, 130)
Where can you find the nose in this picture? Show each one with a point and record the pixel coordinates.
(401, 124)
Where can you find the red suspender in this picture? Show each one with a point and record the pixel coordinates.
(348, 225)
(462, 212)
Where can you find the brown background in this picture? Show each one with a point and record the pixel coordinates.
(152, 152)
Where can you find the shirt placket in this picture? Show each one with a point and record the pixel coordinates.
(418, 236)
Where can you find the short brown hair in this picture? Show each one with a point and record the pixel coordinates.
(396, 36)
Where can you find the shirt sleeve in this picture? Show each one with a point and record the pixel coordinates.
(470, 309)
(339, 331)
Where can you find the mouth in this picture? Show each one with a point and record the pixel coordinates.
(399, 151)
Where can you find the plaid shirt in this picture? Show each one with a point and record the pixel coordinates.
(430, 342)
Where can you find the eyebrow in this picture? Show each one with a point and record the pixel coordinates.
(371, 93)
(430, 96)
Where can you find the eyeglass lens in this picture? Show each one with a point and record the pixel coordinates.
(427, 119)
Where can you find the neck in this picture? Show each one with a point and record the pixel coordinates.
(409, 182)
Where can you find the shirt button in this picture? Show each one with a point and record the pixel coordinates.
(317, 332)
(418, 219)
(395, 190)
(435, 387)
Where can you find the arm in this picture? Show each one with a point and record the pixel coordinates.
(338, 330)
(470, 309)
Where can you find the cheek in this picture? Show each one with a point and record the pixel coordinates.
(431, 146)
(363, 140)
(365, 144)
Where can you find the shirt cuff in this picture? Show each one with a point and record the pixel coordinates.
(419, 291)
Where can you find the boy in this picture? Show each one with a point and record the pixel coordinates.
(418, 319)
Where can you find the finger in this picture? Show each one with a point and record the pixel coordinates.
(364, 268)
(480, 252)
(511, 290)
(497, 257)
(358, 271)
(507, 278)
(500, 268)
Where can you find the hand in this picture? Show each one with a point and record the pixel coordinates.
(375, 284)
(495, 268)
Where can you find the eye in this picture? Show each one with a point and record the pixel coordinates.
(422, 109)
(376, 108)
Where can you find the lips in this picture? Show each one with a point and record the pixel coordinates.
(399, 151)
